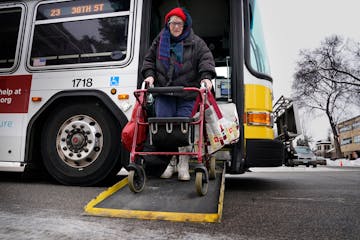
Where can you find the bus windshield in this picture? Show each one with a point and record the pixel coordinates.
(258, 56)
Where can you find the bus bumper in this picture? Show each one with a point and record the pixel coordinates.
(264, 153)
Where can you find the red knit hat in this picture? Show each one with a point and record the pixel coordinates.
(175, 12)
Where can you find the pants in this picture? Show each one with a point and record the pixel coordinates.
(165, 106)
(170, 106)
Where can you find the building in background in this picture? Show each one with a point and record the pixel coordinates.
(324, 148)
(349, 134)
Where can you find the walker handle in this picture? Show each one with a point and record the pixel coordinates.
(202, 85)
(146, 85)
(175, 89)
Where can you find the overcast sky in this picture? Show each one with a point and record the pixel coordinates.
(291, 25)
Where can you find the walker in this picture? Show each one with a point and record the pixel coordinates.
(177, 131)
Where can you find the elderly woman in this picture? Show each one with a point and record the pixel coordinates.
(178, 57)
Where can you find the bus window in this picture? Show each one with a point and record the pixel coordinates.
(84, 37)
(9, 32)
(258, 57)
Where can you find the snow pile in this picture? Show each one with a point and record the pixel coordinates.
(343, 162)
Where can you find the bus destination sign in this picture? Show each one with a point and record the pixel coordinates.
(76, 10)
(80, 8)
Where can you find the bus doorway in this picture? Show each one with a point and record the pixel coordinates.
(210, 19)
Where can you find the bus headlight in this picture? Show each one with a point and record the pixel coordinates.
(259, 119)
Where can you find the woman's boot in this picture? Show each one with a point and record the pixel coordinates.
(183, 168)
(170, 169)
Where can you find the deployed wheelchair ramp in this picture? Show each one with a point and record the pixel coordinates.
(162, 199)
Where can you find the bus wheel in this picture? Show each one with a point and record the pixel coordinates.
(80, 144)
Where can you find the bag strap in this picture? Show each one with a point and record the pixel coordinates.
(212, 101)
(196, 105)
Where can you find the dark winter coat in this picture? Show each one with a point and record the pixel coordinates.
(198, 64)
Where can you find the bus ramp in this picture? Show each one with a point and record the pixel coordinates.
(162, 199)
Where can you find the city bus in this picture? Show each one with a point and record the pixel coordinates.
(68, 70)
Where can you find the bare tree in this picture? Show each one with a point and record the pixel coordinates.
(306, 136)
(327, 80)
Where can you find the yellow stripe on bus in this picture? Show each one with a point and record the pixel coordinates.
(258, 132)
(258, 98)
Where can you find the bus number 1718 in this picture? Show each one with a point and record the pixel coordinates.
(82, 82)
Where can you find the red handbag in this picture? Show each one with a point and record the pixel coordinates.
(128, 132)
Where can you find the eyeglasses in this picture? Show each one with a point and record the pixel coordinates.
(178, 24)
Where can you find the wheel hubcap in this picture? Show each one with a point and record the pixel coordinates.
(79, 141)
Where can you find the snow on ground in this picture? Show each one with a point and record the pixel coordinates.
(331, 165)
(343, 162)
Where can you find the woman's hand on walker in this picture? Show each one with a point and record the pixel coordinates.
(208, 83)
(149, 80)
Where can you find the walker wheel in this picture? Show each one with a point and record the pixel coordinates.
(201, 184)
(136, 179)
(212, 170)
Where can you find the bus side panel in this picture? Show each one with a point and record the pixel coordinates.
(10, 137)
(14, 102)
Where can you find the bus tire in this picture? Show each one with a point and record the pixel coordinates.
(81, 144)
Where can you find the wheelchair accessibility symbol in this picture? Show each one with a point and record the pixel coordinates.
(114, 80)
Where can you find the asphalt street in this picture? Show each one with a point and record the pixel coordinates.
(278, 203)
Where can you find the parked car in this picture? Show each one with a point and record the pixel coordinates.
(320, 160)
(303, 156)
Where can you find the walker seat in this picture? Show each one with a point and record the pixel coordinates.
(171, 131)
